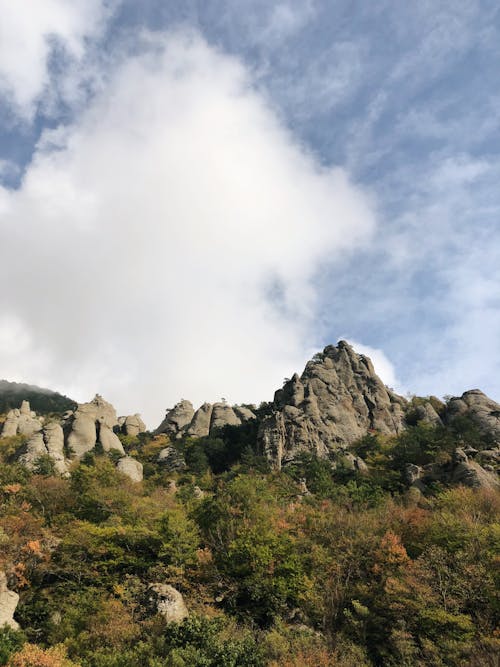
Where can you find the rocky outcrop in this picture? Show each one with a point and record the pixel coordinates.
(177, 419)
(483, 411)
(461, 469)
(8, 604)
(131, 425)
(21, 421)
(200, 423)
(223, 415)
(337, 399)
(166, 600)
(183, 420)
(130, 467)
(171, 459)
(92, 423)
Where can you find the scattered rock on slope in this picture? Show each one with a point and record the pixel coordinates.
(130, 467)
(8, 604)
(167, 601)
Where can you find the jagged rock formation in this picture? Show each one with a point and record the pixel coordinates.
(81, 430)
(462, 469)
(130, 467)
(183, 420)
(92, 423)
(167, 601)
(337, 399)
(8, 604)
(131, 425)
(483, 411)
(21, 421)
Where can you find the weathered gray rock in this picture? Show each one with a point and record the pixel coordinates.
(10, 424)
(460, 470)
(198, 493)
(130, 467)
(32, 450)
(100, 410)
(132, 425)
(8, 604)
(425, 412)
(53, 437)
(223, 415)
(200, 424)
(108, 439)
(89, 423)
(21, 421)
(177, 419)
(338, 399)
(167, 601)
(244, 414)
(83, 434)
(483, 411)
(171, 459)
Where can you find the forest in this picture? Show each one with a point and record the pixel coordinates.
(311, 566)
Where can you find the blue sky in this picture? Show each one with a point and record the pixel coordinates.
(198, 195)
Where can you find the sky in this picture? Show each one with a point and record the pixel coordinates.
(195, 197)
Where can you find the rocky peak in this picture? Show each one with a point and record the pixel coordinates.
(337, 399)
(182, 420)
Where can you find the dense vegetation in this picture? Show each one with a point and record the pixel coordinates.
(360, 571)
(41, 400)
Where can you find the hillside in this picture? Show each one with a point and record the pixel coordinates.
(41, 400)
(339, 525)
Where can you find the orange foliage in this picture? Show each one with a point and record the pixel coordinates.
(33, 656)
(11, 488)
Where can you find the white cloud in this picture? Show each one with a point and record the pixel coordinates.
(166, 244)
(29, 33)
(383, 366)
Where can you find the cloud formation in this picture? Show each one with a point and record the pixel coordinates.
(31, 36)
(166, 244)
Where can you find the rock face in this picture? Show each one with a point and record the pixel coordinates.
(183, 420)
(337, 399)
(81, 430)
(132, 425)
(130, 467)
(8, 604)
(462, 469)
(167, 601)
(21, 421)
(483, 411)
(91, 423)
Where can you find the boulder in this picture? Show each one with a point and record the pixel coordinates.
(132, 425)
(167, 601)
(108, 439)
(21, 421)
(8, 604)
(10, 424)
(337, 399)
(200, 424)
(177, 419)
(83, 434)
(32, 450)
(223, 415)
(483, 411)
(53, 437)
(130, 467)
